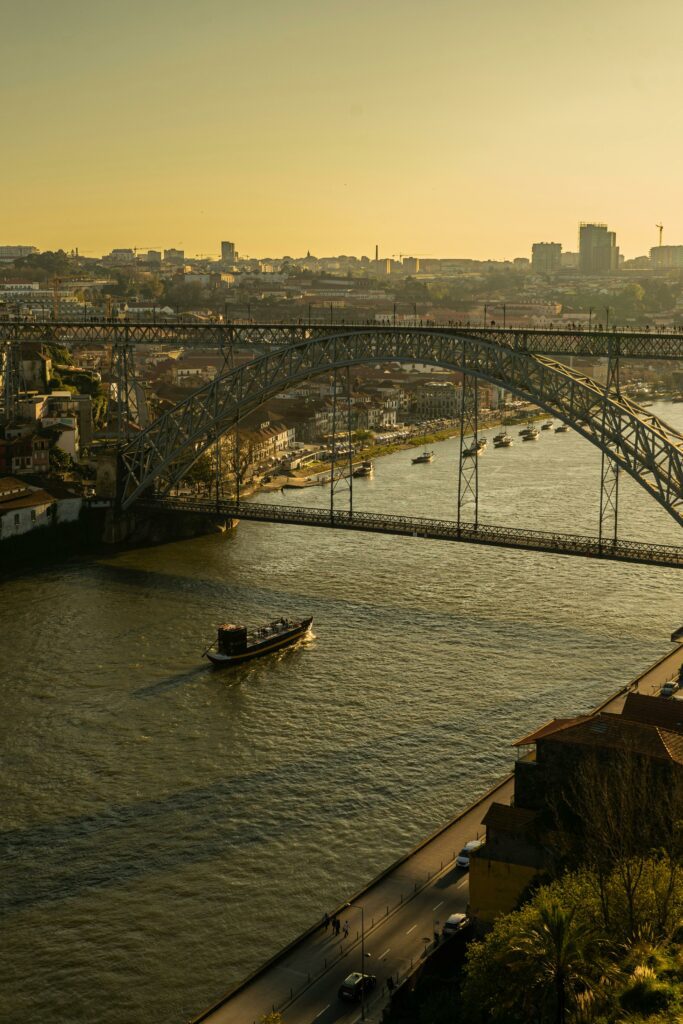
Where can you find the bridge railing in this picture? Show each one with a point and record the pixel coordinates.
(434, 529)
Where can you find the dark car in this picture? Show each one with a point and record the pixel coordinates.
(355, 985)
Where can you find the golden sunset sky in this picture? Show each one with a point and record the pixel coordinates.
(436, 128)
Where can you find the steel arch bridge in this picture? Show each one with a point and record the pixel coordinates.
(639, 443)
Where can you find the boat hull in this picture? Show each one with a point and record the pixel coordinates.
(266, 646)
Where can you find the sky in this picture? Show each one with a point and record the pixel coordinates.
(432, 127)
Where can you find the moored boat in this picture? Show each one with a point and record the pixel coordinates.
(366, 468)
(502, 441)
(468, 453)
(425, 457)
(500, 436)
(562, 429)
(235, 644)
(531, 434)
(547, 426)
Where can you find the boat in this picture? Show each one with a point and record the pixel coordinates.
(562, 429)
(500, 436)
(531, 434)
(366, 468)
(481, 443)
(425, 457)
(547, 426)
(468, 453)
(235, 644)
(502, 441)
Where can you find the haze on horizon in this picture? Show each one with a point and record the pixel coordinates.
(440, 129)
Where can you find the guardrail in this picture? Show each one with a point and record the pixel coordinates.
(662, 555)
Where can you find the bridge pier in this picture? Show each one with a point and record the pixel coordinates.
(140, 527)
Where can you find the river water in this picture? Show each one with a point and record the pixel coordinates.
(167, 827)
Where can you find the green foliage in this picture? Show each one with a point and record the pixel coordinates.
(60, 461)
(555, 961)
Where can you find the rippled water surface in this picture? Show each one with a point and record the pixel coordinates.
(167, 827)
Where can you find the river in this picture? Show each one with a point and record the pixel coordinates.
(167, 827)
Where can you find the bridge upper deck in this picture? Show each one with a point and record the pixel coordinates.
(558, 342)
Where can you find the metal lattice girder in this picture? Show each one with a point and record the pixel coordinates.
(10, 380)
(643, 445)
(636, 344)
(432, 529)
(341, 471)
(127, 407)
(609, 469)
(468, 464)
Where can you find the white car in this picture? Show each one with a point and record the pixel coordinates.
(463, 858)
(453, 924)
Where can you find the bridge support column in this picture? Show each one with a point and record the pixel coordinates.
(609, 470)
(468, 465)
(129, 407)
(10, 374)
(342, 479)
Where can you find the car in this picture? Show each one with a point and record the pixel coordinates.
(355, 985)
(453, 924)
(668, 689)
(463, 858)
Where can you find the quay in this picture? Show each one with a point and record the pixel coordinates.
(393, 919)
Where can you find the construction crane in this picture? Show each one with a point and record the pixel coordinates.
(139, 248)
(660, 228)
(410, 255)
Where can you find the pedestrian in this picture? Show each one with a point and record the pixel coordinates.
(346, 929)
(326, 921)
(337, 926)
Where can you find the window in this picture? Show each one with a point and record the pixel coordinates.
(33, 515)
(16, 518)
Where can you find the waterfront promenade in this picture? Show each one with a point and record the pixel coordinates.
(401, 910)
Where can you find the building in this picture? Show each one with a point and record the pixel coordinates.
(546, 257)
(667, 257)
(436, 400)
(9, 253)
(598, 250)
(174, 256)
(648, 730)
(228, 253)
(24, 507)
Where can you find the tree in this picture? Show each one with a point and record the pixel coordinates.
(605, 818)
(555, 957)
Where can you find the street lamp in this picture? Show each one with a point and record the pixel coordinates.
(606, 317)
(355, 906)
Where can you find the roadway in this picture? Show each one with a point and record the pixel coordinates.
(635, 552)
(401, 909)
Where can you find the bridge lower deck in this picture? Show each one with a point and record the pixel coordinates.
(669, 556)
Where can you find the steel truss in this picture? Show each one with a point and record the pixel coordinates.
(609, 469)
(663, 555)
(468, 465)
(341, 480)
(643, 445)
(538, 341)
(10, 380)
(127, 408)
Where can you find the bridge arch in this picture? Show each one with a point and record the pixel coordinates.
(642, 444)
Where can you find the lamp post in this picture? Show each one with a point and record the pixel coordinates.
(355, 906)
(607, 318)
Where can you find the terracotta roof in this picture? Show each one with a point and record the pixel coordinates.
(505, 818)
(548, 729)
(30, 499)
(608, 730)
(654, 711)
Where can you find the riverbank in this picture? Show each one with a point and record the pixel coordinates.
(317, 473)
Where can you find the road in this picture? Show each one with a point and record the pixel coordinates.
(401, 910)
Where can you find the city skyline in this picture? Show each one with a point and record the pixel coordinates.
(439, 131)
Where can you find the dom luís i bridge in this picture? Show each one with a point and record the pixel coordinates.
(153, 457)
